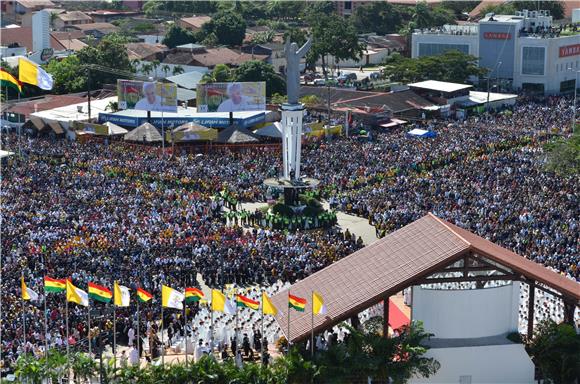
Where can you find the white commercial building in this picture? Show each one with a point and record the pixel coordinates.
(523, 50)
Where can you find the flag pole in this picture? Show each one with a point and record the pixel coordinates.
(312, 325)
(162, 339)
(24, 324)
(288, 323)
(138, 335)
(237, 325)
(211, 331)
(45, 329)
(185, 326)
(114, 335)
(89, 328)
(262, 331)
(67, 339)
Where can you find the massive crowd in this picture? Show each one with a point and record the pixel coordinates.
(108, 212)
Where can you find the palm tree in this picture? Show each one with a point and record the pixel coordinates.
(146, 68)
(155, 64)
(165, 68)
(178, 69)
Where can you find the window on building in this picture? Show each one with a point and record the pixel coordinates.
(567, 86)
(348, 5)
(432, 49)
(533, 89)
(533, 61)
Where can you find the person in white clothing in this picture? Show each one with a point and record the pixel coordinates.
(236, 101)
(198, 353)
(131, 336)
(151, 101)
(134, 357)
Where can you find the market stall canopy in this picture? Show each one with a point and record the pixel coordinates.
(106, 129)
(271, 130)
(144, 133)
(421, 133)
(237, 135)
(192, 132)
(114, 129)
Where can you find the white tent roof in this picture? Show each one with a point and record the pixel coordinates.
(417, 132)
(4, 154)
(271, 130)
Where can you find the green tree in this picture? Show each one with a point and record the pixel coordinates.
(176, 35)
(65, 73)
(378, 17)
(178, 69)
(555, 349)
(296, 35)
(334, 36)
(452, 66)
(221, 73)
(427, 17)
(229, 28)
(279, 99)
(110, 53)
(281, 9)
(564, 154)
(256, 70)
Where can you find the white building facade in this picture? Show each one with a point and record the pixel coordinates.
(522, 50)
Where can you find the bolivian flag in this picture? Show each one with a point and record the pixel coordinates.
(143, 296)
(6, 79)
(246, 302)
(193, 294)
(296, 303)
(54, 285)
(100, 293)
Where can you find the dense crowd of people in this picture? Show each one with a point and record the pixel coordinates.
(99, 213)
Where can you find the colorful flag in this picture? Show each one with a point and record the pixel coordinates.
(100, 293)
(27, 293)
(246, 302)
(296, 303)
(6, 79)
(318, 307)
(143, 296)
(171, 298)
(122, 295)
(76, 295)
(54, 285)
(220, 303)
(193, 294)
(31, 73)
(267, 307)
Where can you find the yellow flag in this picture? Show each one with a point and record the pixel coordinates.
(218, 301)
(121, 295)
(27, 293)
(318, 307)
(171, 298)
(267, 307)
(76, 295)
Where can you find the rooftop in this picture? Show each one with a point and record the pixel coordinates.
(23, 37)
(70, 112)
(196, 21)
(401, 259)
(210, 57)
(440, 86)
(188, 80)
(103, 27)
(74, 16)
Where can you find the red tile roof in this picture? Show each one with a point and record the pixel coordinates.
(23, 37)
(393, 263)
(196, 21)
(211, 57)
(45, 103)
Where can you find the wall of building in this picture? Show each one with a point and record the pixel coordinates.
(497, 44)
(507, 363)
(422, 43)
(561, 60)
(451, 314)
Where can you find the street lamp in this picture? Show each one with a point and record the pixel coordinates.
(488, 78)
(575, 97)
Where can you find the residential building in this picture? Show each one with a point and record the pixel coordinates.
(209, 57)
(15, 10)
(524, 51)
(348, 8)
(193, 23)
(145, 51)
(97, 30)
(106, 15)
(22, 37)
(67, 19)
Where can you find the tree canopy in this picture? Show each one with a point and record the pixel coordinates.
(177, 35)
(379, 17)
(334, 36)
(564, 154)
(256, 70)
(452, 66)
(65, 73)
(228, 27)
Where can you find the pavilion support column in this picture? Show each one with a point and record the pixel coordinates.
(569, 308)
(386, 317)
(355, 322)
(531, 305)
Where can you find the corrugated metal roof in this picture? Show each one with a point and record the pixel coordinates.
(393, 263)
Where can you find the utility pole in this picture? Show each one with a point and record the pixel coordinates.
(89, 91)
(488, 78)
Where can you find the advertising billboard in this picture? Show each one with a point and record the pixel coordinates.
(147, 96)
(231, 97)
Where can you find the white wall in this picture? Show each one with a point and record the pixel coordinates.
(505, 364)
(451, 314)
(443, 38)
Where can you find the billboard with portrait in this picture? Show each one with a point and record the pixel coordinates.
(147, 96)
(231, 97)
